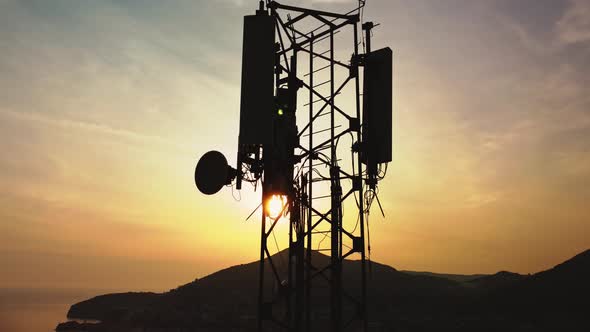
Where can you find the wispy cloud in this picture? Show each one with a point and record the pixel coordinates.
(574, 26)
(92, 128)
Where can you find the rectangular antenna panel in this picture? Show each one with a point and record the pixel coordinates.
(258, 61)
(377, 107)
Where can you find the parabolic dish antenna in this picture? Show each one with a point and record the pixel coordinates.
(211, 173)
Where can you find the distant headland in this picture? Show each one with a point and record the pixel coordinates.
(551, 300)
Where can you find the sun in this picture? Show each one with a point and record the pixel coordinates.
(274, 206)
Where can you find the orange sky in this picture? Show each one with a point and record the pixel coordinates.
(105, 109)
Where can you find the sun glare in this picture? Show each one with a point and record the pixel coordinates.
(274, 205)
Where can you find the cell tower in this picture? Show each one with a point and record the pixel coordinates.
(294, 163)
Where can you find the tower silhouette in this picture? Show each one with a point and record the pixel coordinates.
(292, 166)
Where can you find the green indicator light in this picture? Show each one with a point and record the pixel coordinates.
(280, 111)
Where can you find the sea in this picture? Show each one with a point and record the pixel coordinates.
(39, 310)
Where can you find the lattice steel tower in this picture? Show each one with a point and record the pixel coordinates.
(295, 159)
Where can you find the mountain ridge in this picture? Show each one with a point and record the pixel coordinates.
(229, 296)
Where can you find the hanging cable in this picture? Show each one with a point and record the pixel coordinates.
(233, 193)
(369, 244)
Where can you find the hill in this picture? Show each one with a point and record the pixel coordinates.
(563, 289)
(409, 301)
(454, 277)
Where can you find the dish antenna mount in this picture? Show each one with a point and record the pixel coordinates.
(213, 172)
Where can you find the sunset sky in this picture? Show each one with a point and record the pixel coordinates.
(106, 106)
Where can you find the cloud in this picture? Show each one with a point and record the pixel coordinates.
(101, 103)
(574, 26)
(91, 128)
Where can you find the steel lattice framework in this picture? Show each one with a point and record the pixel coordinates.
(288, 306)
